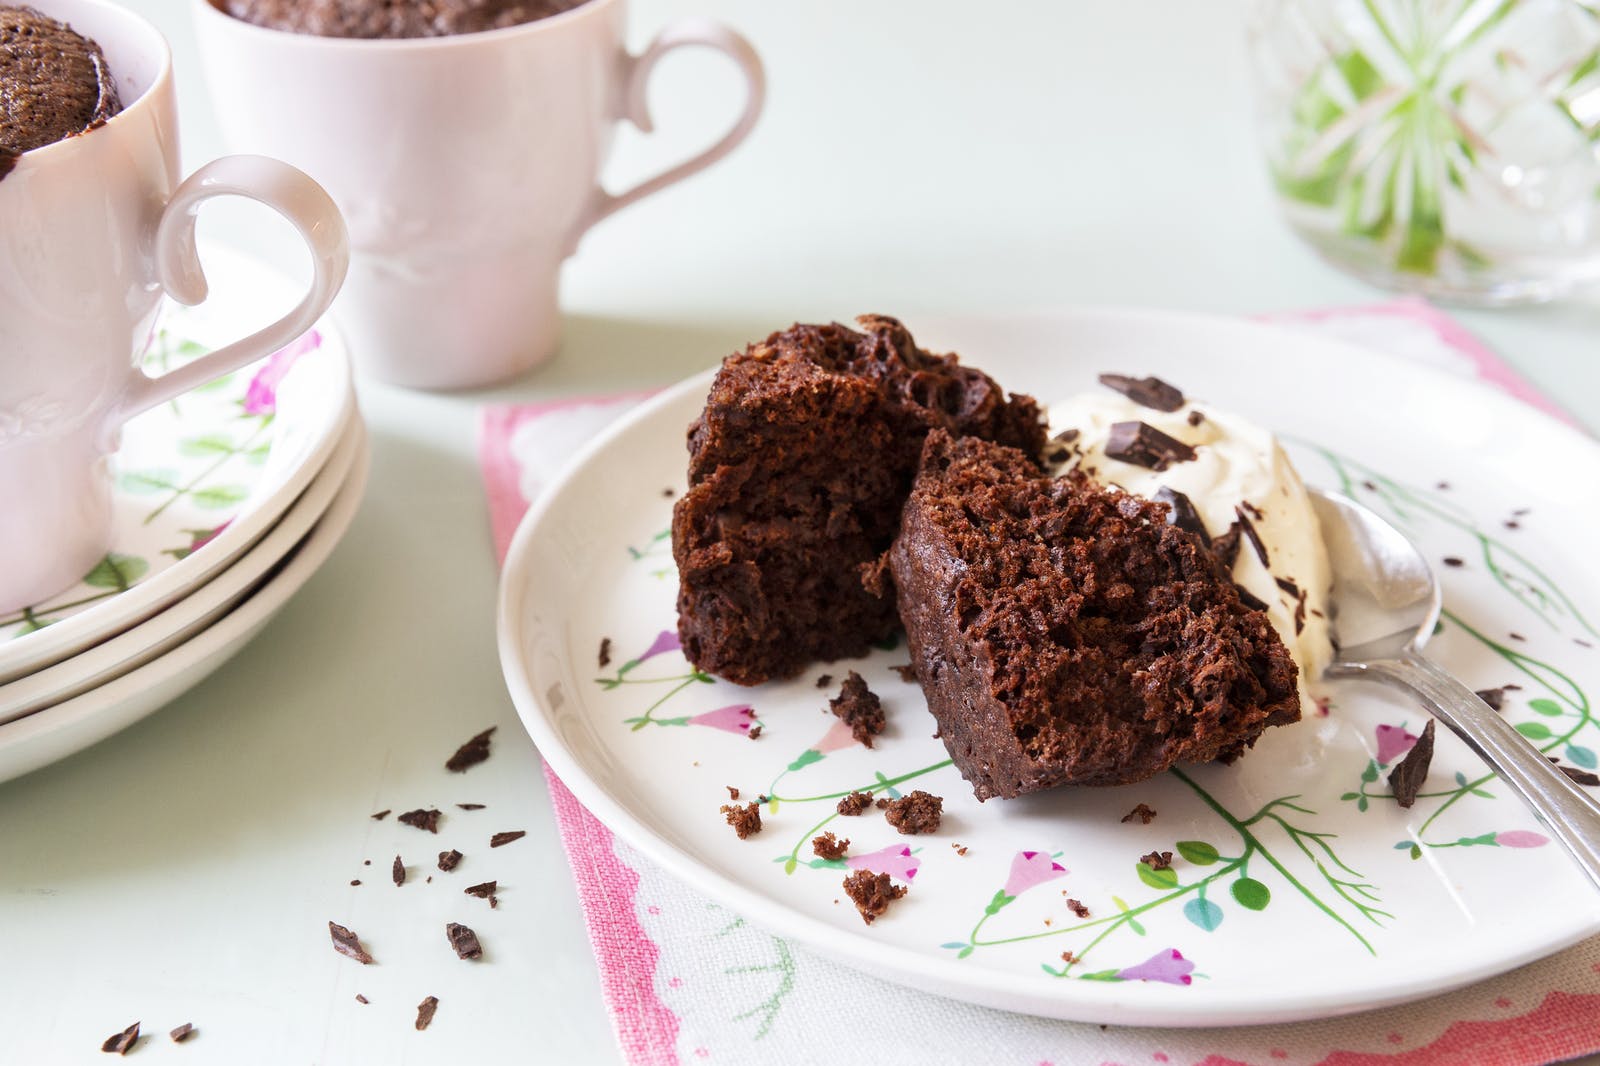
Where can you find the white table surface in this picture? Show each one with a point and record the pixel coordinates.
(914, 158)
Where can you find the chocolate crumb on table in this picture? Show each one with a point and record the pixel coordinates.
(471, 806)
(1144, 812)
(381, 815)
(1516, 636)
(918, 812)
(1453, 560)
(1077, 908)
(1494, 697)
(859, 708)
(733, 793)
(398, 872)
(668, 493)
(605, 652)
(1408, 775)
(121, 1043)
(471, 753)
(483, 891)
(501, 839)
(854, 804)
(755, 732)
(348, 944)
(182, 1032)
(1068, 957)
(362, 999)
(1157, 860)
(449, 860)
(429, 879)
(871, 893)
(745, 820)
(464, 940)
(960, 849)
(828, 846)
(907, 672)
(425, 1011)
(825, 680)
(422, 819)
(354, 881)
(881, 802)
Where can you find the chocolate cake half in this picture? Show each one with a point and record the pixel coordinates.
(1064, 633)
(798, 469)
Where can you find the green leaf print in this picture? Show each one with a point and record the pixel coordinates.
(117, 572)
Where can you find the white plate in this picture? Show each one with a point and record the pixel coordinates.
(66, 728)
(201, 479)
(1295, 933)
(162, 631)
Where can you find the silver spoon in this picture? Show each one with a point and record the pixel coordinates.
(1386, 603)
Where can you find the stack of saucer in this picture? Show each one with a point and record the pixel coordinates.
(227, 501)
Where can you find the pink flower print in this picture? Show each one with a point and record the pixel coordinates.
(1393, 742)
(837, 738)
(202, 538)
(1520, 838)
(666, 640)
(1031, 868)
(737, 718)
(1169, 966)
(261, 398)
(895, 860)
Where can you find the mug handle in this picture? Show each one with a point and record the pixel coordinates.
(687, 33)
(294, 196)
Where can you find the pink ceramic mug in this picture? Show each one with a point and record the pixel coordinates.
(466, 166)
(92, 230)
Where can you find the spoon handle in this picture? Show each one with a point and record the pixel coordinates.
(1569, 813)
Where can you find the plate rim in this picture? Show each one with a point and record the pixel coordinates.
(1105, 1003)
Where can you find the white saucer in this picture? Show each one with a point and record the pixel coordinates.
(201, 479)
(55, 732)
(163, 631)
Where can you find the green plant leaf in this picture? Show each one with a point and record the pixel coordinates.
(215, 497)
(1133, 923)
(1362, 77)
(1197, 851)
(1204, 913)
(211, 444)
(1548, 708)
(1251, 894)
(1370, 774)
(116, 571)
(1534, 730)
(1159, 879)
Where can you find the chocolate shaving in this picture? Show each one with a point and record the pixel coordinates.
(362, 999)
(1494, 697)
(425, 1011)
(483, 891)
(354, 882)
(381, 815)
(449, 860)
(1147, 392)
(1582, 777)
(1226, 547)
(908, 672)
(422, 819)
(1454, 560)
(398, 872)
(471, 806)
(1144, 445)
(605, 652)
(1408, 775)
(464, 940)
(1252, 510)
(1077, 908)
(121, 1043)
(1157, 860)
(1250, 599)
(1144, 812)
(471, 753)
(182, 1032)
(1253, 537)
(1196, 417)
(348, 944)
(1181, 513)
(505, 838)
(825, 680)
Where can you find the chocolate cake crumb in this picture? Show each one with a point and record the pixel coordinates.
(1144, 812)
(1196, 417)
(918, 812)
(422, 819)
(1149, 392)
(398, 872)
(1517, 636)
(762, 798)
(755, 732)
(1494, 697)
(733, 793)
(449, 860)
(381, 815)
(464, 940)
(825, 680)
(881, 802)
(1582, 777)
(471, 806)
(908, 672)
(182, 1032)
(483, 891)
(1144, 445)
(366, 862)
(745, 820)
(668, 493)
(859, 708)
(1069, 958)
(348, 944)
(471, 753)
(1443, 486)
(1077, 908)
(1454, 560)
(961, 849)
(362, 999)
(1369, 486)
(429, 879)
(500, 839)
(121, 1043)
(854, 803)
(1512, 523)
(1157, 860)
(828, 846)
(1408, 775)
(871, 893)
(425, 1011)
(605, 652)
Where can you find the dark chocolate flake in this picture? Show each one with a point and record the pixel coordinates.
(1494, 697)
(471, 806)
(121, 1043)
(1196, 417)
(398, 872)
(381, 815)
(425, 1011)
(605, 652)
(500, 839)
(1157, 860)
(1226, 547)
(1407, 777)
(1454, 560)
(825, 680)
(1144, 445)
(348, 944)
(1250, 599)
(1144, 813)
(1582, 777)
(362, 999)
(1181, 513)
(483, 891)
(1253, 537)
(182, 1032)
(1149, 392)
(422, 819)
(471, 753)
(1077, 908)
(464, 940)
(449, 860)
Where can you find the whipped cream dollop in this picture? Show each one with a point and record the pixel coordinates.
(1239, 474)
